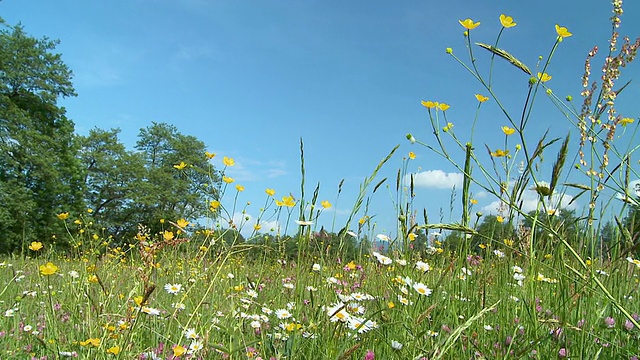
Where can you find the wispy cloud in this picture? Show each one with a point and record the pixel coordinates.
(435, 179)
(530, 199)
(254, 170)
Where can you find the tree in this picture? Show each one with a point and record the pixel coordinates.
(40, 175)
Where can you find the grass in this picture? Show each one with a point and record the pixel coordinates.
(523, 286)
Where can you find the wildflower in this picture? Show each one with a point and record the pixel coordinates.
(178, 306)
(35, 246)
(370, 355)
(422, 266)
(95, 342)
(481, 98)
(469, 24)
(544, 77)
(287, 201)
(227, 161)
(227, 179)
(63, 216)
(168, 235)
(542, 188)
(190, 333)
(429, 104)
(499, 219)
(115, 350)
(508, 130)
(449, 50)
(270, 192)
(507, 21)
(447, 127)
(498, 253)
(422, 289)
(150, 311)
(382, 259)
(553, 212)
(383, 237)
(488, 327)
(240, 188)
(283, 314)
(173, 288)
(209, 155)
(562, 353)
(499, 153)
(48, 269)
(443, 106)
(562, 32)
(626, 121)
(412, 155)
(182, 223)
(214, 204)
(315, 267)
(396, 345)
(195, 346)
(609, 322)
(180, 166)
(179, 350)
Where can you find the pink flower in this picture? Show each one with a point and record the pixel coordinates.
(369, 356)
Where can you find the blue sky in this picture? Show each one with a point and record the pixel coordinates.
(250, 78)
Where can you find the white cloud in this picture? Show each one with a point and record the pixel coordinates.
(530, 200)
(245, 222)
(435, 179)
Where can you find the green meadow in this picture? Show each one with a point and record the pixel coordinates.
(543, 284)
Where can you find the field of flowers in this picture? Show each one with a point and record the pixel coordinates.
(196, 293)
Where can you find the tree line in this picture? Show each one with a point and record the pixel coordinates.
(47, 170)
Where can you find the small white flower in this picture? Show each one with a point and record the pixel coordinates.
(422, 289)
(74, 274)
(498, 253)
(195, 346)
(396, 345)
(516, 269)
(173, 288)
(27, 328)
(191, 333)
(352, 233)
(402, 262)
(150, 311)
(383, 237)
(316, 267)
(288, 285)
(423, 266)
(230, 276)
(255, 324)
(252, 293)
(283, 314)
(382, 259)
(488, 327)
(178, 306)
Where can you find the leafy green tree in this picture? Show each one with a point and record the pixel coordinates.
(491, 230)
(40, 175)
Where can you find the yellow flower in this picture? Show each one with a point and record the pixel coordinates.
(412, 236)
(182, 223)
(209, 155)
(508, 242)
(227, 161)
(257, 227)
(286, 201)
(48, 269)
(507, 21)
(180, 166)
(138, 300)
(508, 131)
(270, 192)
(35, 246)
(391, 305)
(89, 210)
(168, 235)
(481, 98)
(482, 246)
(443, 106)
(562, 31)
(115, 350)
(214, 204)
(499, 153)
(429, 104)
(326, 204)
(412, 155)
(95, 342)
(93, 279)
(63, 216)
(544, 77)
(179, 350)
(227, 179)
(626, 121)
(447, 127)
(499, 219)
(240, 188)
(473, 201)
(469, 24)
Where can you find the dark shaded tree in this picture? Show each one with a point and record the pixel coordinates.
(40, 175)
